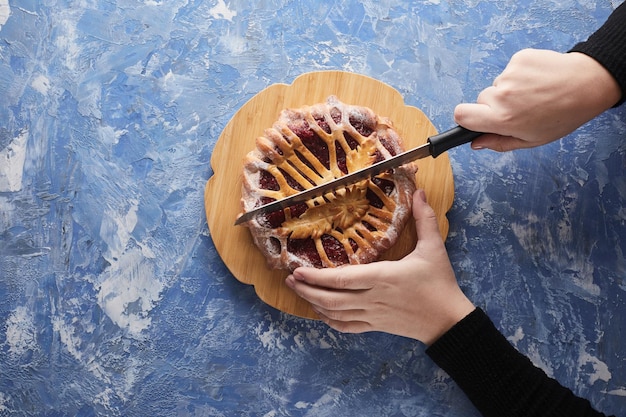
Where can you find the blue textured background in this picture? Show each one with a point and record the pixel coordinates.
(113, 300)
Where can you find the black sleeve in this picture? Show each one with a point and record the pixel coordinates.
(608, 46)
(498, 379)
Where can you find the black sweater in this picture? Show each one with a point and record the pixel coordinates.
(608, 46)
(498, 379)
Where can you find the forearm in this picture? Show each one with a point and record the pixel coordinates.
(497, 378)
(608, 46)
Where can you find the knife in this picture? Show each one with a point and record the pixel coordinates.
(434, 146)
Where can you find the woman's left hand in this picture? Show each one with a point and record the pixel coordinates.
(417, 296)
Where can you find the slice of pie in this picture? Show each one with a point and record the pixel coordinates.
(312, 145)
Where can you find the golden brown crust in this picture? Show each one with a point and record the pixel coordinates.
(354, 225)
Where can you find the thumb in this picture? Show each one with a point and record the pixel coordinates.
(426, 224)
(476, 117)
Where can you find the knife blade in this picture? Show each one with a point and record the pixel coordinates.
(434, 146)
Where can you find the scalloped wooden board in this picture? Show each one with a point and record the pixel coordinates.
(223, 190)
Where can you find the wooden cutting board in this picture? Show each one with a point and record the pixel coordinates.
(223, 190)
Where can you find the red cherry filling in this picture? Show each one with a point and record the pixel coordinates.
(268, 182)
(312, 141)
(361, 127)
(305, 249)
(334, 250)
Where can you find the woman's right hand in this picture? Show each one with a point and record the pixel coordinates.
(540, 97)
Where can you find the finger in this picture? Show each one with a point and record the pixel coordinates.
(349, 277)
(497, 80)
(475, 116)
(488, 95)
(347, 326)
(426, 224)
(326, 299)
(499, 143)
(352, 315)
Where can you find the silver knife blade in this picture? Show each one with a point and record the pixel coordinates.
(434, 146)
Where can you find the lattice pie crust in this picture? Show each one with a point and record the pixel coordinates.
(313, 145)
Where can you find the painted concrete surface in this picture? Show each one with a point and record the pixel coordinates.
(113, 300)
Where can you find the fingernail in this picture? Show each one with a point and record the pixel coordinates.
(296, 275)
(289, 281)
(477, 147)
(422, 195)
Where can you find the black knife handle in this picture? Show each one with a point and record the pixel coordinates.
(449, 139)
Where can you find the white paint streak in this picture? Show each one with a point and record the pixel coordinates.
(517, 337)
(69, 338)
(480, 210)
(332, 396)
(273, 337)
(20, 333)
(315, 338)
(116, 229)
(535, 357)
(12, 163)
(5, 12)
(67, 41)
(235, 45)
(221, 11)
(620, 392)
(4, 400)
(129, 291)
(105, 398)
(600, 369)
(41, 83)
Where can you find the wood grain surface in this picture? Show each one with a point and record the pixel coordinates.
(223, 190)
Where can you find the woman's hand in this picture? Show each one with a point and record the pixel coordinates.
(540, 97)
(416, 297)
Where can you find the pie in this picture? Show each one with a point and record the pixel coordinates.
(313, 145)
